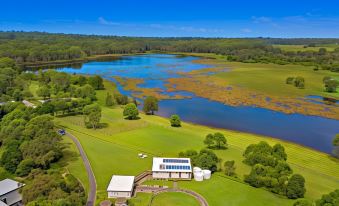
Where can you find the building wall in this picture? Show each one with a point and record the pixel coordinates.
(114, 194)
(186, 175)
(12, 198)
(170, 175)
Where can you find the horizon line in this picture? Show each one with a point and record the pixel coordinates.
(163, 37)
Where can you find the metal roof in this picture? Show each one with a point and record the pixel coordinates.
(121, 183)
(2, 203)
(8, 185)
(161, 164)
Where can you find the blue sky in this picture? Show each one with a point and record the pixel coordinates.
(209, 18)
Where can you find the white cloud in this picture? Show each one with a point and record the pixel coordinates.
(103, 21)
(185, 28)
(246, 30)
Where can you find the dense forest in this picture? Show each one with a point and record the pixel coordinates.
(35, 47)
(31, 147)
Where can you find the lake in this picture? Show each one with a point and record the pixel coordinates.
(310, 131)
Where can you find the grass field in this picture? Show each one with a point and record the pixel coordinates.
(174, 198)
(270, 79)
(114, 149)
(73, 163)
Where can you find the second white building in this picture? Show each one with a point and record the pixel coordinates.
(171, 168)
(120, 186)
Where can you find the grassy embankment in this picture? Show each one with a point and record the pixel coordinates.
(113, 150)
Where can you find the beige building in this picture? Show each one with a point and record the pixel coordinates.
(171, 168)
(120, 186)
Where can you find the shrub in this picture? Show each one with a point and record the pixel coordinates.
(175, 121)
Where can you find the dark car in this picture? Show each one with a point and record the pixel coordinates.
(61, 132)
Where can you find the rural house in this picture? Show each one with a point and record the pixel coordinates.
(171, 168)
(9, 193)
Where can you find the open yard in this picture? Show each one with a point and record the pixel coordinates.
(174, 198)
(114, 149)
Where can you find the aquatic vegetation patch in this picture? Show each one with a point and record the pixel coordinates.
(133, 85)
(215, 89)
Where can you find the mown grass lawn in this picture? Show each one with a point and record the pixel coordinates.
(223, 191)
(114, 149)
(174, 198)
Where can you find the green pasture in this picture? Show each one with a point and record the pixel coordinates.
(174, 198)
(114, 149)
(270, 78)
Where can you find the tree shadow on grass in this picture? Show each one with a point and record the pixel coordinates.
(68, 156)
(217, 148)
(102, 125)
(137, 118)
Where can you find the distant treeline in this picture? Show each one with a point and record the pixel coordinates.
(34, 47)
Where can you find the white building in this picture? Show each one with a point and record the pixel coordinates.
(120, 186)
(171, 168)
(9, 193)
(28, 104)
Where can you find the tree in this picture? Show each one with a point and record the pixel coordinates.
(229, 168)
(205, 159)
(220, 140)
(46, 108)
(43, 91)
(322, 51)
(336, 140)
(331, 85)
(60, 81)
(109, 100)
(82, 80)
(86, 91)
(7, 62)
(17, 95)
(121, 99)
(296, 187)
(150, 105)
(92, 115)
(299, 82)
(39, 125)
(60, 106)
(278, 151)
(289, 80)
(209, 140)
(331, 199)
(11, 158)
(96, 82)
(326, 78)
(175, 121)
(131, 111)
(216, 140)
(25, 167)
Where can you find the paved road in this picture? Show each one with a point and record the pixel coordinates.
(91, 177)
